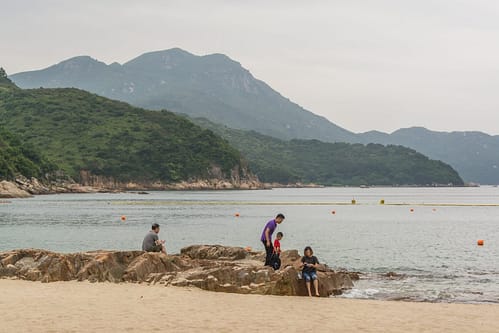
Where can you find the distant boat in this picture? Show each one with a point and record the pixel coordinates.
(365, 186)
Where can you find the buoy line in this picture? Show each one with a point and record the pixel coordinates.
(228, 203)
(254, 203)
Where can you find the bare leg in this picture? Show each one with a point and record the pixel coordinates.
(316, 286)
(308, 288)
(163, 249)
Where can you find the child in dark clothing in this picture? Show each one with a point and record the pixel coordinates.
(309, 270)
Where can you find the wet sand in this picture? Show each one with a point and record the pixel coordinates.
(105, 307)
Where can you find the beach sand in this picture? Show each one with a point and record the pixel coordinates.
(106, 307)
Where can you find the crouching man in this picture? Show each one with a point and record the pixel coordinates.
(152, 243)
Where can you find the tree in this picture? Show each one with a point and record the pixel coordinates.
(4, 80)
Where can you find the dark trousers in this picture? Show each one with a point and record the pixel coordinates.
(268, 252)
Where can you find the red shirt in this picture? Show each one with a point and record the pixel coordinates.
(277, 245)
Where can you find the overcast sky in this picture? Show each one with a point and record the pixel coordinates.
(363, 64)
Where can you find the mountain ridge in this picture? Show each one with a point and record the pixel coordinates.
(111, 145)
(212, 86)
(220, 89)
(474, 154)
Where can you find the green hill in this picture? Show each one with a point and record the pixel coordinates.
(80, 131)
(474, 154)
(19, 158)
(312, 161)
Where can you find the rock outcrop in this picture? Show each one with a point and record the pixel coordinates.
(218, 182)
(23, 187)
(10, 190)
(62, 185)
(209, 267)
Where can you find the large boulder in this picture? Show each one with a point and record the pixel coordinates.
(209, 267)
(101, 266)
(214, 252)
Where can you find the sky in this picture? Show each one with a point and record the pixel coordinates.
(364, 65)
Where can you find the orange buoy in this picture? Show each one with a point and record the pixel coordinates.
(237, 215)
(123, 218)
(333, 212)
(248, 249)
(480, 242)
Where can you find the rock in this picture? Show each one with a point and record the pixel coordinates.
(394, 276)
(209, 267)
(290, 258)
(89, 183)
(153, 263)
(103, 266)
(32, 185)
(8, 271)
(10, 190)
(354, 276)
(214, 252)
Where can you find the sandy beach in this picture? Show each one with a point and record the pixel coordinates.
(106, 307)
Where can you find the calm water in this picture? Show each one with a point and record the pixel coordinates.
(434, 247)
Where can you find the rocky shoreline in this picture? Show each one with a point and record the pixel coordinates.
(25, 188)
(208, 267)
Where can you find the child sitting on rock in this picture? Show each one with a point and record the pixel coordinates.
(309, 270)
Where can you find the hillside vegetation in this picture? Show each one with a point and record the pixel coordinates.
(312, 161)
(80, 131)
(19, 158)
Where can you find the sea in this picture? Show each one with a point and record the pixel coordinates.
(420, 245)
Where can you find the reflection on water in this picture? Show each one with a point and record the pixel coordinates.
(433, 248)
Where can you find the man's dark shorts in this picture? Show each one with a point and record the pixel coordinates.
(156, 248)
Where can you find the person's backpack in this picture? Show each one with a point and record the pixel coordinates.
(275, 261)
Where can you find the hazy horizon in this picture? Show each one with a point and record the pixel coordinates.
(364, 66)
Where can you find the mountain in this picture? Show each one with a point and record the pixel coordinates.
(221, 90)
(475, 155)
(82, 132)
(212, 86)
(312, 161)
